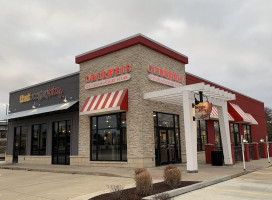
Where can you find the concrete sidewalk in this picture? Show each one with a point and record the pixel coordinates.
(206, 172)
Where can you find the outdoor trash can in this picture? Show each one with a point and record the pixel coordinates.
(217, 157)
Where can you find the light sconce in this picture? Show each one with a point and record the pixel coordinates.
(66, 98)
(261, 140)
(35, 105)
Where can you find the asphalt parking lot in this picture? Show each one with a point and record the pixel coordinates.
(256, 185)
(31, 185)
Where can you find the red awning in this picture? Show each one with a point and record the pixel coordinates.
(239, 115)
(214, 114)
(105, 103)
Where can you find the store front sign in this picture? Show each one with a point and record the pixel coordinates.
(203, 110)
(106, 77)
(165, 77)
(43, 94)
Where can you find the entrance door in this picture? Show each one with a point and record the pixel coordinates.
(19, 146)
(167, 148)
(61, 142)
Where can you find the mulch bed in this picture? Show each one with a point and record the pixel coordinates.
(130, 194)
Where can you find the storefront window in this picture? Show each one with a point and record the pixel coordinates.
(38, 142)
(247, 133)
(235, 134)
(20, 140)
(109, 137)
(217, 135)
(202, 135)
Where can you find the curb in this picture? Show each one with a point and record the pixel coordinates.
(62, 171)
(179, 191)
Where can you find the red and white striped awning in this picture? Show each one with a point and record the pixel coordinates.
(214, 114)
(106, 103)
(239, 115)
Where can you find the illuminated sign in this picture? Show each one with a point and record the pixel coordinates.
(203, 110)
(43, 94)
(164, 76)
(107, 77)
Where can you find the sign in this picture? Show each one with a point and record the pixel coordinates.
(108, 81)
(164, 81)
(203, 110)
(43, 94)
(165, 74)
(106, 76)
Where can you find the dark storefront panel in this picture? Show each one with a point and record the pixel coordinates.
(20, 137)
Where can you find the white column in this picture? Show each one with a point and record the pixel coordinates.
(190, 133)
(225, 132)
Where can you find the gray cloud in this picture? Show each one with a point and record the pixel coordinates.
(227, 42)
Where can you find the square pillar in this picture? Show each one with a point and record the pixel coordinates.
(247, 156)
(256, 151)
(190, 132)
(225, 132)
(270, 149)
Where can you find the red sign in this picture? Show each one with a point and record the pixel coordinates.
(107, 74)
(203, 110)
(165, 74)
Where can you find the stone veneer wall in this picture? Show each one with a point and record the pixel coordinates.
(140, 126)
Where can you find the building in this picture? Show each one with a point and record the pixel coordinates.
(130, 105)
(3, 138)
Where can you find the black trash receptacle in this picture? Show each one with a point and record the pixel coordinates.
(217, 157)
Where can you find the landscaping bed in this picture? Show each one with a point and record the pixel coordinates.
(130, 194)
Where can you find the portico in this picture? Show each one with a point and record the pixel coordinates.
(185, 97)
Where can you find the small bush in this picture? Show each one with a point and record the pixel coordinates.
(143, 183)
(139, 170)
(172, 176)
(116, 191)
(162, 196)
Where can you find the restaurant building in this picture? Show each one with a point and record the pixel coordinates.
(130, 105)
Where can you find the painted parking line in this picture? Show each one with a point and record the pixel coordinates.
(266, 173)
(238, 191)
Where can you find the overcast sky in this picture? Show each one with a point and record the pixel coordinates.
(228, 42)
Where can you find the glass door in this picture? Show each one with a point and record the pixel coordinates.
(168, 147)
(61, 143)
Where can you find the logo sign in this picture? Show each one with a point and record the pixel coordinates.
(108, 81)
(168, 75)
(43, 94)
(203, 110)
(106, 77)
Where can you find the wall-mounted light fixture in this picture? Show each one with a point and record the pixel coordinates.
(66, 99)
(35, 105)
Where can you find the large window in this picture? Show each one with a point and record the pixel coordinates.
(247, 133)
(38, 142)
(217, 134)
(235, 134)
(202, 135)
(109, 137)
(20, 140)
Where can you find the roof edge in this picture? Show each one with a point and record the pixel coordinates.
(128, 42)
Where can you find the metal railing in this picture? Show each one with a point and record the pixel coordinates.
(238, 154)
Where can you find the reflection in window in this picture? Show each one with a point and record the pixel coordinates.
(109, 137)
(202, 135)
(235, 134)
(247, 133)
(217, 135)
(20, 140)
(38, 142)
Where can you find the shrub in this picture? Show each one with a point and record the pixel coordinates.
(172, 176)
(139, 170)
(116, 191)
(143, 183)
